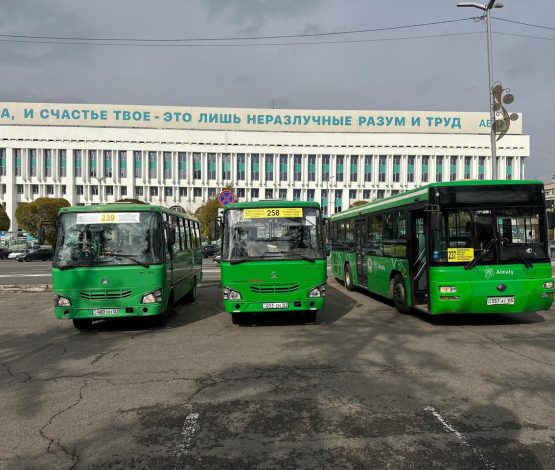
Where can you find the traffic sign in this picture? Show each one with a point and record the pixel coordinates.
(226, 197)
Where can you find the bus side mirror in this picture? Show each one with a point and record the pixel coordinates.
(42, 235)
(551, 220)
(215, 230)
(171, 235)
(435, 220)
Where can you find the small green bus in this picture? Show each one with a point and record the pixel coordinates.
(455, 247)
(124, 260)
(273, 259)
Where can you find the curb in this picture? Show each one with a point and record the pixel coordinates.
(25, 288)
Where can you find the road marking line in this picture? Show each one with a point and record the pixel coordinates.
(460, 437)
(190, 428)
(25, 275)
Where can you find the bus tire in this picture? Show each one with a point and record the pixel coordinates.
(242, 318)
(162, 319)
(349, 277)
(82, 324)
(310, 316)
(191, 296)
(399, 293)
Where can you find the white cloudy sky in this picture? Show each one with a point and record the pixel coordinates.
(444, 72)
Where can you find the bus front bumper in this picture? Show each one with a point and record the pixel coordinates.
(102, 313)
(237, 306)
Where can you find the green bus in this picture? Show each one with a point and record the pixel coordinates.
(124, 260)
(273, 259)
(455, 247)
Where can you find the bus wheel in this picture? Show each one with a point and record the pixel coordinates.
(349, 278)
(192, 294)
(310, 316)
(83, 324)
(399, 293)
(242, 318)
(162, 319)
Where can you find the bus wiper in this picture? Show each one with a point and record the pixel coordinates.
(526, 262)
(296, 255)
(484, 252)
(115, 254)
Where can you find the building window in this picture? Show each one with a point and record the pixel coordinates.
(325, 167)
(33, 162)
(108, 163)
(167, 156)
(92, 163)
(354, 169)
(453, 169)
(338, 200)
(381, 193)
(255, 166)
(368, 168)
(382, 168)
(197, 192)
(17, 162)
(509, 169)
(339, 159)
(35, 188)
(122, 156)
(283, 167)
(154, 191)
(123, 190)
(182, 192)
(211, 193)
(312, 168)
(269, 167)
(296, 194)
(49, 189)
(425, 168)
(139, 191)
(324, 201)
(152, 166)
(410, 169)
(297, 167)
(48, 163)
(64, 189)
(394, 192)
(19, 189)
(366, 194)
(241, 167)
(396, 168)
(254, 193)
(94, 190)
(79, 190)
(62, 162)
(182, 165)
(168, 192)
(481, 168)
(283, 194)
(197, 167)
(439, 169)
(109, 190)
(268, 193)
(226, 166)
(352, 195)
(467, 161)
(3, 163)
(137, 158)
(241, 193)
(310, 193)
(211, 166)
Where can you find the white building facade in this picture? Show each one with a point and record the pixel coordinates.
(185, 156)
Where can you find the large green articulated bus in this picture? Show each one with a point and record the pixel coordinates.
(124, 260)
(456, 247)
(273, 259)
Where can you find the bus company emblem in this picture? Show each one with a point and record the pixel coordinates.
(105, 281)
(488, 273)
(274, 275)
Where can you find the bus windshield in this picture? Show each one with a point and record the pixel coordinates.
(108, 239)
(511, 234)
(267, 236)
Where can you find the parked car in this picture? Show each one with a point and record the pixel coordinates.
(4, 253)
(217, 258)
(42, 254)
(16, 253)
(210, 250)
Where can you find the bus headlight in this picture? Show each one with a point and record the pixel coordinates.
(230, 294)
(319, 291)
(548, 285)
(447, 289)
(61, 301)
(152, 297)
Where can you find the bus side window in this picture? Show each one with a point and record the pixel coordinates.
(375, 229)
(178, 246)
(197, 234)
(183, 232)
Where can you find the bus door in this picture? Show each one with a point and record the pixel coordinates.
(361, 243)
(418, 257)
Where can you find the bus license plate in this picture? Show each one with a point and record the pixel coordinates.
(275, 305)
(501, 300)
(105, 311)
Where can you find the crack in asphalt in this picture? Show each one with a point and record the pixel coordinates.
(51, 440)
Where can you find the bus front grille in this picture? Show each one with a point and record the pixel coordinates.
(274, 288)
(105, 294)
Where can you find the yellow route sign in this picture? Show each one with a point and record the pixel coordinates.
(457, 255)
(271, 212)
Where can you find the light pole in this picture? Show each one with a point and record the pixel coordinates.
(486, 8)
(100, 180)
(327, 180)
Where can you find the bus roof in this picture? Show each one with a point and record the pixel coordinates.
(421, 194)
(123, 207)
(271, 203)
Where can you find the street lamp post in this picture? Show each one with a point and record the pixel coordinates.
(327, 180)
(100, 180)
(486, 8)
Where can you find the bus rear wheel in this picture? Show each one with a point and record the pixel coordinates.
(82, 324)
(399, 293)
(349, 278)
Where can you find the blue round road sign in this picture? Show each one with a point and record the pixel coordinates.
(226, 197)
